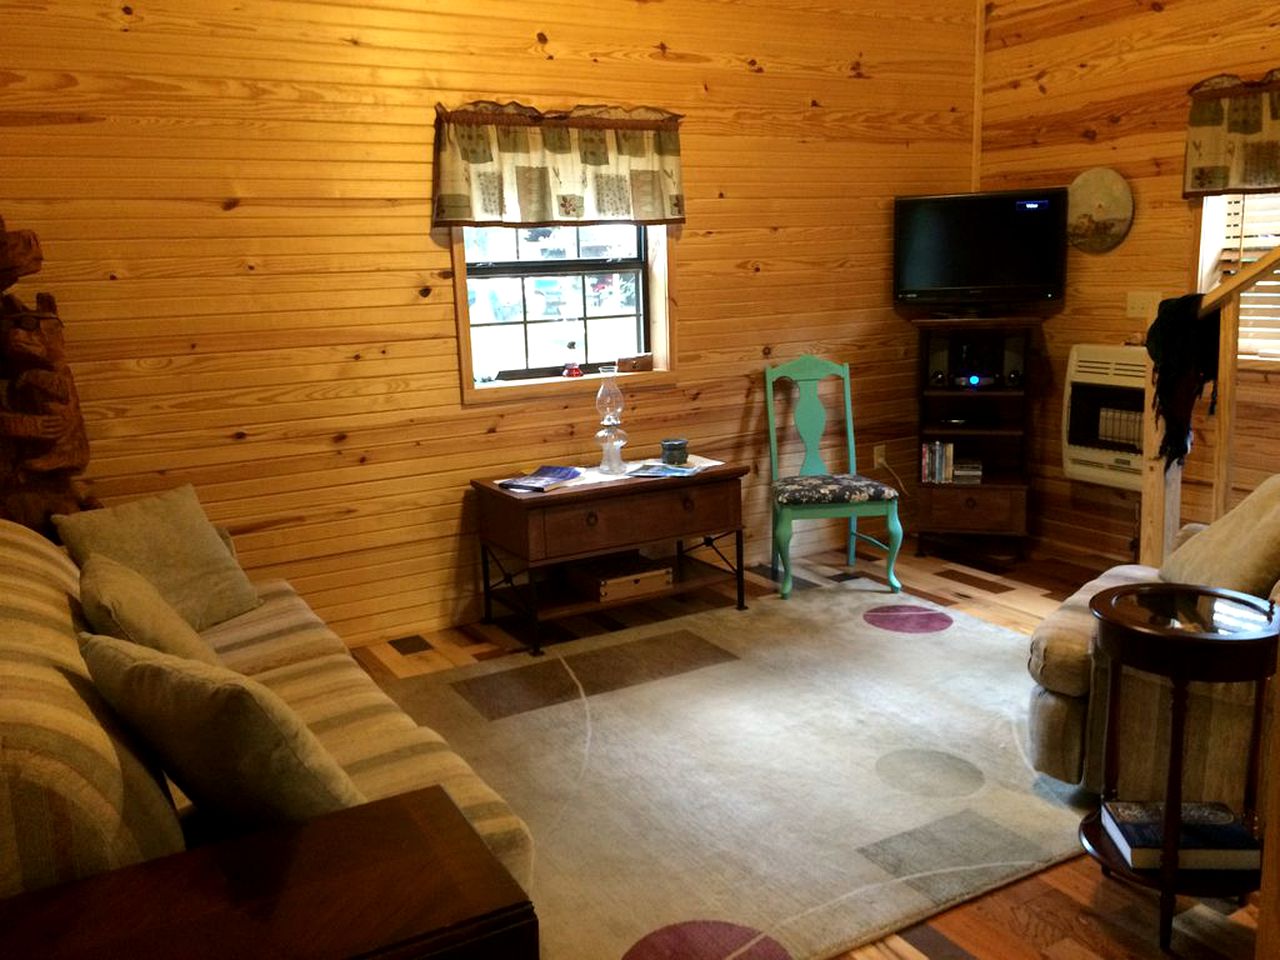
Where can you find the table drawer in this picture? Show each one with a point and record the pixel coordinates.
(976, 508)
(621, 522)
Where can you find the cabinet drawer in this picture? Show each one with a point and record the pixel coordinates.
(622, 522)
(978, 509)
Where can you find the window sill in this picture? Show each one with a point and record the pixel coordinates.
(1252, 364)
(508, 391)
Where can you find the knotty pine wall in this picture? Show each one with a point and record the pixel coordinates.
(233, 198)
(1073, 84)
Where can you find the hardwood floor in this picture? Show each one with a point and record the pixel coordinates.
(1069, 912)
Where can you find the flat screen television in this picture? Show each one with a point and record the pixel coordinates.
(980, 254)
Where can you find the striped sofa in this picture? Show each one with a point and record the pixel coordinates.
(78, 798)
(1067, 720)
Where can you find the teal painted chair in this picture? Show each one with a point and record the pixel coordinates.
(815, 491)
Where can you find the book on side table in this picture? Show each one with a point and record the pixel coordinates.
(543, 479)
(1213, 837)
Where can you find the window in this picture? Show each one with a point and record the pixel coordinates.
(539, 298)
(1235, 230)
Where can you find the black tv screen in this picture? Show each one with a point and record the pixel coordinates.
(980, 254)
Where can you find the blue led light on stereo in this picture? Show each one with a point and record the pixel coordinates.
(974, 380)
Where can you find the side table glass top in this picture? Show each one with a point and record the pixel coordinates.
(1203, 633)
(1179, 608)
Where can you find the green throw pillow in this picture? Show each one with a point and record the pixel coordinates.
(1238, 551)
(171, 543)
(120, 602)
(232, 746)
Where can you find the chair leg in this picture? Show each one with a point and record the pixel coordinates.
(895, 544)
(853, 540)
(782, 549)
(773, 550)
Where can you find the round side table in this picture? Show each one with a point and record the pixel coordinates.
(1185, 633)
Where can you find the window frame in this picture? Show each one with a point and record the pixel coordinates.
(1208, 270)
(659, 306)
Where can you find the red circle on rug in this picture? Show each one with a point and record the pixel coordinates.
(907, 618)
(706, 940)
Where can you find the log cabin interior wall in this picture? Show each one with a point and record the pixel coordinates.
(233, 199)
(1073, 85)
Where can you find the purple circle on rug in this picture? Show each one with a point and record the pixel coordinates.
(907, 618)
(706, 940)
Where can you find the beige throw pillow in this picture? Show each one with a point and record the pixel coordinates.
(122, 603)
(171, 543)
(232, 746)
(1238, 551)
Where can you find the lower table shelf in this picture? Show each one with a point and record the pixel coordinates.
(557, 598)
(1195, 883)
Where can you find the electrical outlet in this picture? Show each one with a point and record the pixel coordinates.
(877, 455)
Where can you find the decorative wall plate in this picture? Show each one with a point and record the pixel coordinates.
(1099, 210)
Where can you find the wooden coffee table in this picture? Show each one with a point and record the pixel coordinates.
(403, 878)
(540, 533)
(1185, 633)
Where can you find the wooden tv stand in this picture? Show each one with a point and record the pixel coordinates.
(403, 878)
(544, 531)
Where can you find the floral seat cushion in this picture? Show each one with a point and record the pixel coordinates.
(831, 488)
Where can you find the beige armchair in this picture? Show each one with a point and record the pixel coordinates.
(1068, 708)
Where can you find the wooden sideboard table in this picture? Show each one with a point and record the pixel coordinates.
(1185, 633)
(403, 878)
(545, 532)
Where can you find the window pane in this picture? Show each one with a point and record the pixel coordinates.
(547, 243)
(609, 294)
(612, 338)
(614, 241)
(553, 297)
(555, 344)
(495, 300)
(494, 349)
(489, 244)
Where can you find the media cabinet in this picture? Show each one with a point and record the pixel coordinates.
(973, 396)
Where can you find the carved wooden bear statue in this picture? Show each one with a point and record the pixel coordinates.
(42, 436)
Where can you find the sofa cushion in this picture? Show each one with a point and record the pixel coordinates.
(280, 631)
(1061, 658)
(77, 796)
(168, 540)
(231, 744)
(386, 752)
(1239, 551)
(120, 602)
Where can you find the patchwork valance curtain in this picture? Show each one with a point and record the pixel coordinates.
(508, 164)
(1233, 137)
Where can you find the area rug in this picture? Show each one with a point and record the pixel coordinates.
(782, 783)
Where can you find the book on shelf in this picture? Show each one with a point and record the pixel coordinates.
(938, 464)
(1212, 837)
(543, 479)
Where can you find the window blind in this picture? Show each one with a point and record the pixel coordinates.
(1250, 228)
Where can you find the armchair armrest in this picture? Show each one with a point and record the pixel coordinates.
(403, 877)
(1188, 531)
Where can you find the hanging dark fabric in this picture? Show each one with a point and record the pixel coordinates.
(1183, 346)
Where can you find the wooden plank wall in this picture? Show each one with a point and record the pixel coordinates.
(1074, 84)
(233, 198)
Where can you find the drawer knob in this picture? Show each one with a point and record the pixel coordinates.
(970, 502)
(688, 503)
(592, 519)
